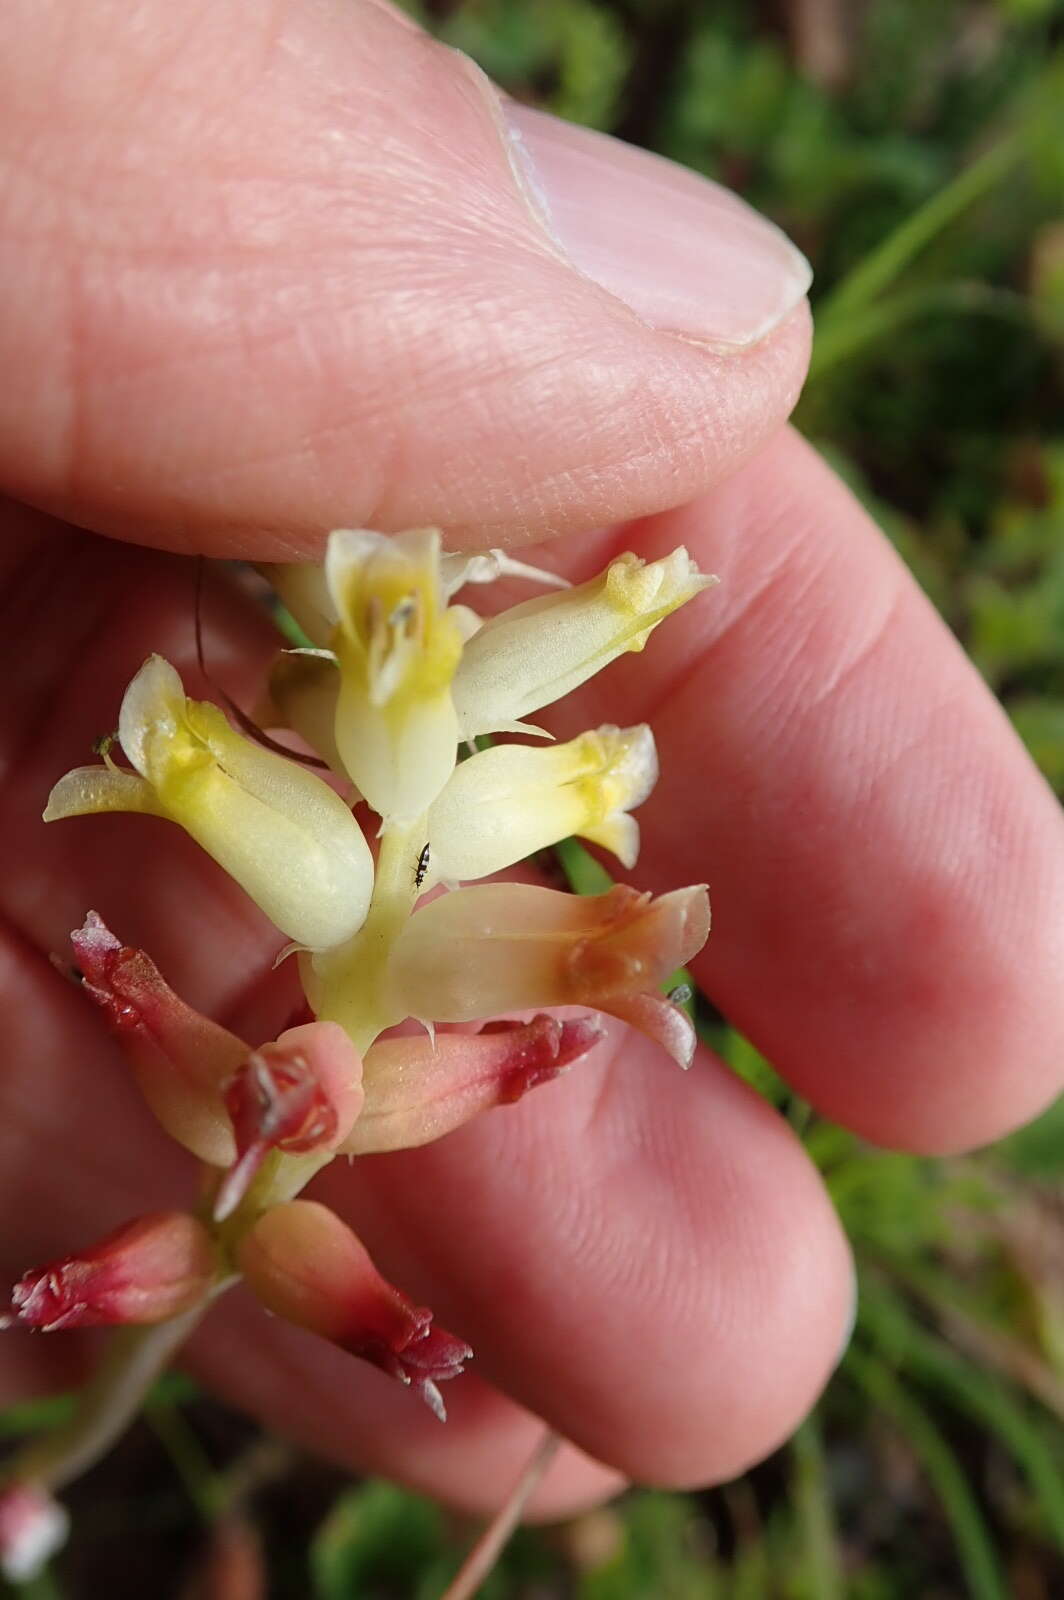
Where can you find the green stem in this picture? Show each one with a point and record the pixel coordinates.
(813, 1499)
(975, 1550)
(350, 981)
(842, 337)
(107, 1404)
(882, 265)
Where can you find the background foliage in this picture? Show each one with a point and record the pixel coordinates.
(915, 151)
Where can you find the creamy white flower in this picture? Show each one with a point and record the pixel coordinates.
(398, 648)
(510, 947)
(539, 651)
(512, 800)
(282, 833)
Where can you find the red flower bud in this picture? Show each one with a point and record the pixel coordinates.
(146, 1271)
(418, 1089)
(307, 1266)
(179, 1057)
(298, 1095)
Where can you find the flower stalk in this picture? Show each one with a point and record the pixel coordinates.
(401, 675)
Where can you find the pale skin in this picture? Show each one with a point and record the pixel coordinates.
(224, 343)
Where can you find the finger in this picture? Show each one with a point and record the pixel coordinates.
(70, 1178)
(646, 1259)
(632, 1255)
(335, 1407)
(885, 864)
(272, 271)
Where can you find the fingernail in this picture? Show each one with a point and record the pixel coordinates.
(686, 255)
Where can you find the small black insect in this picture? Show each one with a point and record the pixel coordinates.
(422, 868)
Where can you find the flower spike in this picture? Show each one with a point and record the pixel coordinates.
(307, 1266)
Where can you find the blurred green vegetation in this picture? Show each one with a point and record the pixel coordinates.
(915, 151)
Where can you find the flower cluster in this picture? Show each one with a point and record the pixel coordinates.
(402, 693)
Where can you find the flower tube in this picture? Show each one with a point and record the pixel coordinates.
(512, 800)
(537, 652)
(511, 947)
(281, 832)
(418, 1089)
(307, 1266)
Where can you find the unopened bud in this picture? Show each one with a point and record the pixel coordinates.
(307, 1266)
(298, 1095)
(148, 1270)
(179, 1057)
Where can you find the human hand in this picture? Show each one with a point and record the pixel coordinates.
(266, 274)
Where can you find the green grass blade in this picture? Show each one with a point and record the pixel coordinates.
(888, 260)
(840, 338)
(816, 1518)
(971, 1389)
(975, 1548)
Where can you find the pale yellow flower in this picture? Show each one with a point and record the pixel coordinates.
(512, 800)
(282, 833)
(537, 652)
(398, 647)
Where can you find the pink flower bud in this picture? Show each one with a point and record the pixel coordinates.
(298, 1095)
(32, 1528)
(148, 1270)
(510, 946)
(179, 1057)
(418, 1089)
(307, 1266)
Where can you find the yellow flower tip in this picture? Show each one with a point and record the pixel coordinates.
(647, 592)
(509, 801)
(619, 834)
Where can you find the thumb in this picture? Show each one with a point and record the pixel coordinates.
(272, 269)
